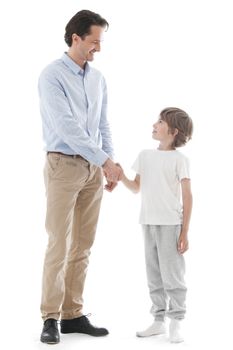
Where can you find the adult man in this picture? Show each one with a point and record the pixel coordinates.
(73, 101)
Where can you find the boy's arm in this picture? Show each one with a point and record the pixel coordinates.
(133, 185)
(187, 210)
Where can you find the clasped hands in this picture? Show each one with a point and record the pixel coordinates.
(113, 173)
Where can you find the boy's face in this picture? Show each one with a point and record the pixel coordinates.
(161, 131)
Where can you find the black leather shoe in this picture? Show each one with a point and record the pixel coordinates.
(50, 333)
(82, 325)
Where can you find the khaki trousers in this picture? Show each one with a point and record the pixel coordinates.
(74, 190)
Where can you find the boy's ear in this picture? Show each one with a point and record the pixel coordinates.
(175, 132)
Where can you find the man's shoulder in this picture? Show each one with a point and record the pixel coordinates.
(52, 69)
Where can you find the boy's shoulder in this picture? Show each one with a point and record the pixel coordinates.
(180, 155)
(144, 153)
(155, 154)
(154, 151)
(150, 151)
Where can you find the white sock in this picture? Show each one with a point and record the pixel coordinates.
(157, 327)
(175, 331)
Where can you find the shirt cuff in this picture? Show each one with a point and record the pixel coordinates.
(100, 158)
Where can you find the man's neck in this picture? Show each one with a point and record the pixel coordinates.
(76, 59)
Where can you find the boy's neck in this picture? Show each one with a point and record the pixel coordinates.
(165, 147)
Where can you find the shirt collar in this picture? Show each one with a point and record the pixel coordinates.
(76, 69)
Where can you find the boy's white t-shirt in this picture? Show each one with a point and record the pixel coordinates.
(161, 173)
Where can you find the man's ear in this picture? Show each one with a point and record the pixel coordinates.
(75, 38)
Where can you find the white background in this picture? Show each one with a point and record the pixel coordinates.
(155, 54)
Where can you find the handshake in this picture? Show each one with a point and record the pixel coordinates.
(113, 173)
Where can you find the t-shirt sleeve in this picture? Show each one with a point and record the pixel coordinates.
(136, 165)
(183, 168)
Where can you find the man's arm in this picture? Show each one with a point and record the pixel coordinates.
(187, 210)
(111, 171)
(56, 109)
(104, 126)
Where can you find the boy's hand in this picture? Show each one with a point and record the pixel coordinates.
(109, 186)
(183, 244)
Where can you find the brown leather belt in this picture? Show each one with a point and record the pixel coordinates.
(67, 155)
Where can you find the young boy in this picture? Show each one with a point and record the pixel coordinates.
(161, 174)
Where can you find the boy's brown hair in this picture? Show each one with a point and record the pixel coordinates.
(177, 119)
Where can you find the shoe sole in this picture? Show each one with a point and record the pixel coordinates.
(49, 342)
(150, 335)
(176, 341)
(92, 335)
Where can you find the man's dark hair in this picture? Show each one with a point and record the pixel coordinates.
(81, 23)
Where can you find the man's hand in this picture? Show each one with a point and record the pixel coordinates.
(122, 171)
(112, 172)
(183, 244)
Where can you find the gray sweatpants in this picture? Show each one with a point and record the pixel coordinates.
(165, 271)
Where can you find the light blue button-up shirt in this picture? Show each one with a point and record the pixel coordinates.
(73, 105)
